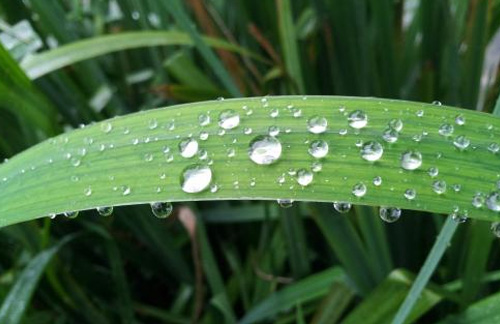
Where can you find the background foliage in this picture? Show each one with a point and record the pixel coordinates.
(215, 262)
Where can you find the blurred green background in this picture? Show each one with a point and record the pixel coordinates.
(249, 262)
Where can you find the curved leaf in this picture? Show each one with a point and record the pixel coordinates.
(126, 160)
(38, 65)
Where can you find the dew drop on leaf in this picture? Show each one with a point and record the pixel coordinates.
(372, 151)
(439, 187)
(461, 142)
(105, 211)
(188, 147)
(264, 150)
(195, 178)
(390, 135)
(317, 124)
(446, 129)
(161, 209)
(495, 229)
(359, 189)
(229, 119)
(285, 203)
(342, 207)
(71, 214)
(410, 194)
(304, 177)
(318, 149)
(411, 160)
(493, 201)
(357, 119)
(389, 214)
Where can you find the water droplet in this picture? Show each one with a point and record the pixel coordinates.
(390, 135)
(126, 190)
(459, 216)
(439, 186)
(203, 135)
(318, 149)
(105, 211)
(372, 151)
(204, 119)
(304, 177)
(389, 214)
(196, 178)
(357, 119)
(264, 149)
(231, 152)
(411, 160)
(188, 147)
(285, 203)
(495, 228)
(273, 130)
(317, 124)
(478, 200)
(153, 123)
(161, 209)
(202, 154)
(437, 103)
(493, 201)
(396, 124)
(419, 113)
(247, 131)
(87, 191)
(446, 129)
(342, 207)
(410, 194)
(75, 161)
(377, 181)
(494, 148)
(148, 157)
(229, 119)
(359, 189)
(461, 142)
(433, 172)
(316, 166)
(274, 113)
(71, 214)
(460, 119)
(106, 127)
(214, 188)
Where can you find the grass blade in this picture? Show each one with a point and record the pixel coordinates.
(93, 166)
(41, 64)
(428, 268)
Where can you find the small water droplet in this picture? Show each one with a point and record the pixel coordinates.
(247, 131)
(410, 194)
(433, 172)
(446, 129)
(106, 127)
(161, 209)
(153, 123)
(264, 149)
(359, 189)
(316, 166)
(196, 178)
(229, 119)
(317, 124)
(478, 200)
(390, 135)
(105, 211)
(494, 148)
(460, 119)
(419, 113)
(461, 142)
(285, 203)
(71, 214)
(459, 216)
(439, 186)
(372, 151)
(188, 147)
(495, 229)
(377, 181)
(126, 190)
(342, 207)
(204, 119)
(396, 124)
(87, 191)
(411, 160)
(437, 103)
(318, 149)
(304, 177)
(357, 119)
(493, 201)
(148, 157)
(274, 113)
(203, 135)
(389, 214)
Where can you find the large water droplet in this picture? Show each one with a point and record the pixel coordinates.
(304, 177)
(317, 124)
(162, 209)
(411, 160)
(188, 147)
(342, 207)
(105, 211)
(264, 149)
(196, 178)
(372, 151)
(229, 119)
(493, 201)
(318, 149)
(357, 119)
(389, 214)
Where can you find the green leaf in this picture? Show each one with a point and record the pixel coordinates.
(383, 302)
(46, 62)
(303, 291)
(485, 311)
(18, 299)
(122, 161)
